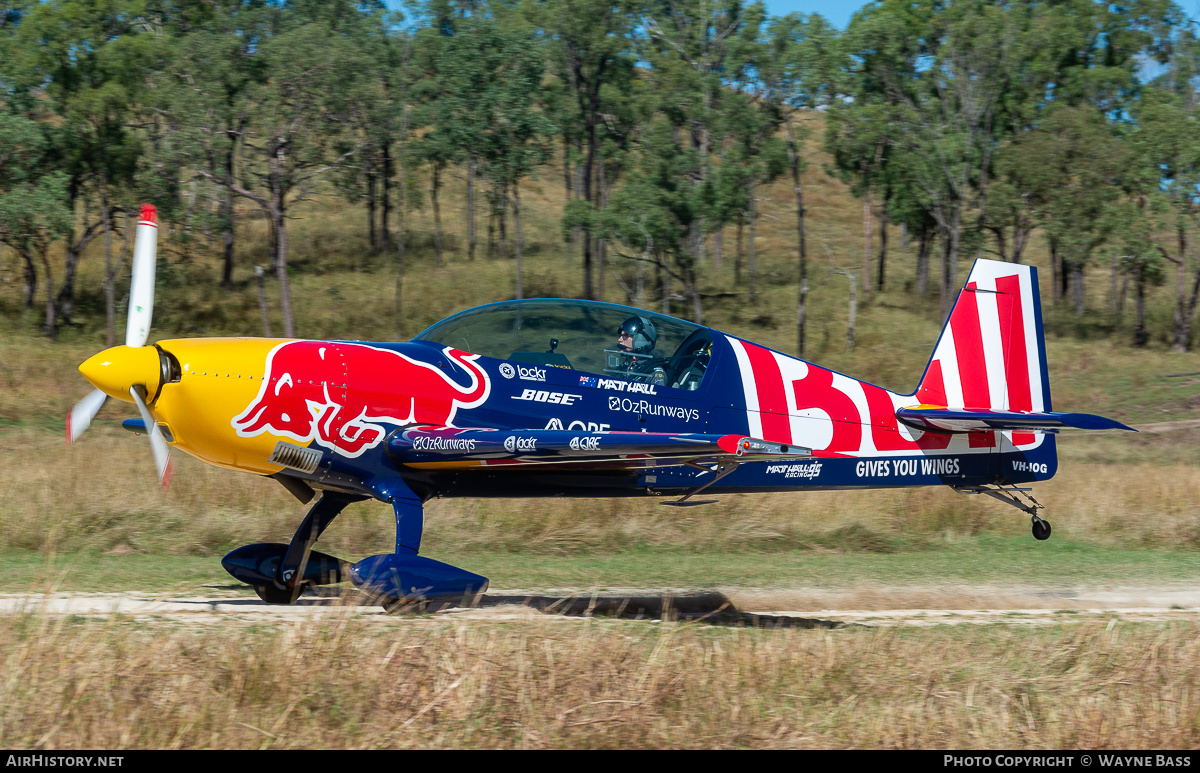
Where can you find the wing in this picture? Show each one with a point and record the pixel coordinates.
(442, 447)
(955, 420)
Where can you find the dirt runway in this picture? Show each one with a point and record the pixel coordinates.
(800, 607)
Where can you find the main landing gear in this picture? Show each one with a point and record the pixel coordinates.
(1009, 496)
(399, 580)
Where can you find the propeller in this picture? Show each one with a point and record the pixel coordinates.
(132, 371)
(158, 444)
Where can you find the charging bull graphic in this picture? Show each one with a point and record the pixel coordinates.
(305, 394)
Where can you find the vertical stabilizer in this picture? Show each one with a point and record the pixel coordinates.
(992, 353)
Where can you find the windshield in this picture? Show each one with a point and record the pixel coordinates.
(600, 338)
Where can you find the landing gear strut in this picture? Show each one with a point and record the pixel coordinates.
(1041, 527)
(278, 572)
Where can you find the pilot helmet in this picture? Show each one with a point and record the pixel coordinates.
(643, 333)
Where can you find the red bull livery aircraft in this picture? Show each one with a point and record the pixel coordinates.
(574, 398)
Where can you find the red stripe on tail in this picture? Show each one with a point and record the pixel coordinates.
(968, 347)
(933, 388)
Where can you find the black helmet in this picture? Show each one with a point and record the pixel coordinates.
(643, 333)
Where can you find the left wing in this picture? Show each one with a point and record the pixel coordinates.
(433, 447)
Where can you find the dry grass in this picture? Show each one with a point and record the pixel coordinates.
(98, 495)
(350, 682)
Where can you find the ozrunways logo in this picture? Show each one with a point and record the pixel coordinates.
(647, 408)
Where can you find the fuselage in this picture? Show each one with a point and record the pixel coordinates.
(233, 401)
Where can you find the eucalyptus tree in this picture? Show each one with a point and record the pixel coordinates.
(590, 44)
(205, 99)
(79, 66)
(793, 56)
(936, 76)
(1167, 138)
(293, 115)
(652, 212)
(34, 208)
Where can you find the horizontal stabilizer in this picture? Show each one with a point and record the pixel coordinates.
(439, 445)
(955, 420)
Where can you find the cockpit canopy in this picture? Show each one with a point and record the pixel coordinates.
(579, 335)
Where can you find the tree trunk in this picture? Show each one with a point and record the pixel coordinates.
(1140, 336)
(1020, 239)
(592, 116)
(50, 325)
(435, 179)
(30, 278)
(516, 209)
(737, 255)
(601, 242)
(1056, 281)
(502, 213)
(575, 192)
(1181, 323)
(924, 245)
(385, 238)
(369, 163)
(950, 247)
(1077, 290)
(665, 278)
(227, 224)
(753, 254)
(470, 206)
(718, 246)
(868, 219)
(798, 189)
(278, 216)
(109, 305)
(883, 246)
(262, 301)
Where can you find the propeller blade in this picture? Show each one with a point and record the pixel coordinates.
(158, 445)
(141, 288)
(80, 417)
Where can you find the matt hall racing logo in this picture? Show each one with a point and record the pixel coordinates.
(810, 470)
(647, 408)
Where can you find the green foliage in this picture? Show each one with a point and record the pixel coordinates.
(983, 122)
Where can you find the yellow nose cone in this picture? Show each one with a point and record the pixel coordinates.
(113, 371)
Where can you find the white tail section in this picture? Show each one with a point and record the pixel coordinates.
(992, 354)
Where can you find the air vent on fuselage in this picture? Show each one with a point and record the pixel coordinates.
(295, 457)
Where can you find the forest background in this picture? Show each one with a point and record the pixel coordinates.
(650, 135)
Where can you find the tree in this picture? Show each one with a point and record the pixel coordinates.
(33, 206)
(589, 45)
(80, 68)
(293, 114)
(1166, 139)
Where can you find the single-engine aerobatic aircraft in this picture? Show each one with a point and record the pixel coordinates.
(552, 398)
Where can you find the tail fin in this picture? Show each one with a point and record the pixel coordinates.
(992, 354)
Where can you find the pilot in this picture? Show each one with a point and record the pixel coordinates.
(636, 337)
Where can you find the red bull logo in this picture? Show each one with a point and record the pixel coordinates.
(306, 394)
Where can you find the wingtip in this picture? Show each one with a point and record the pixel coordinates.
(149, 214)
